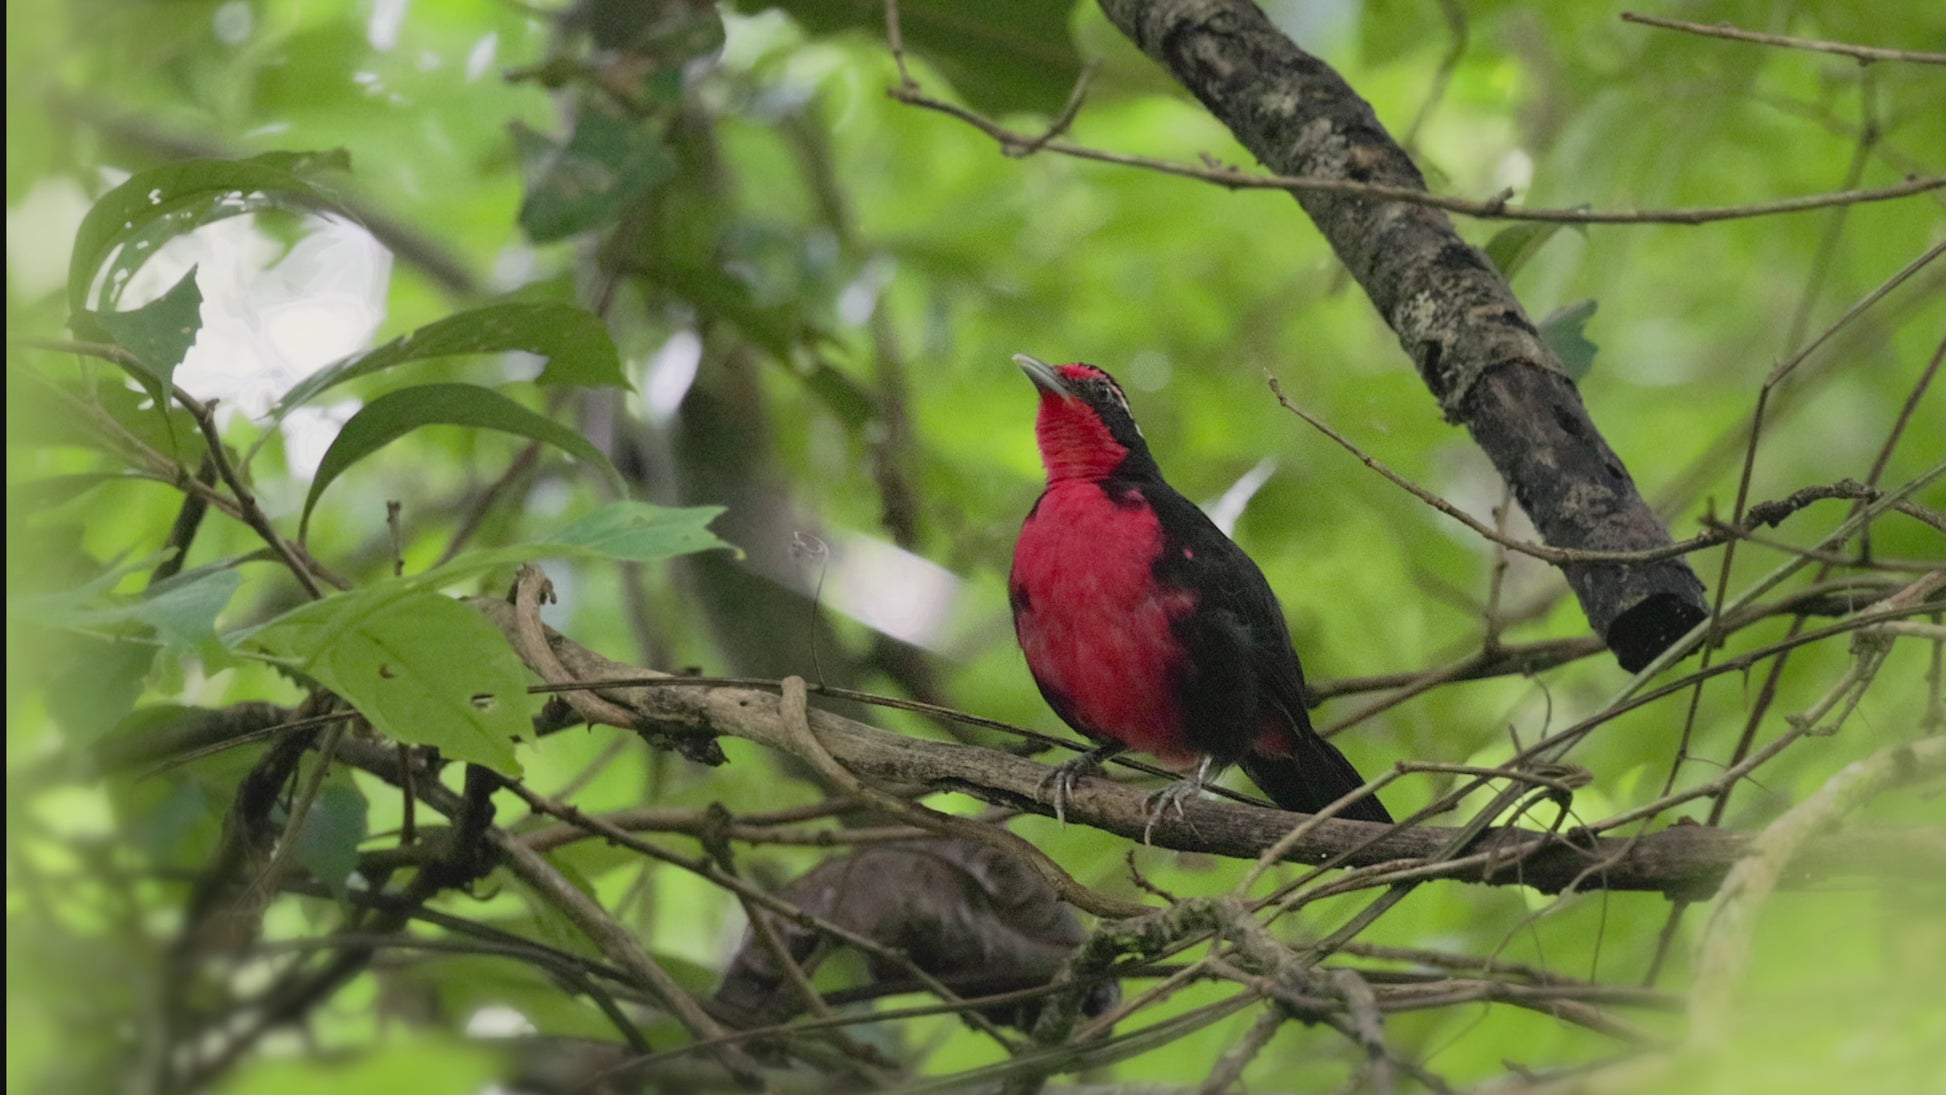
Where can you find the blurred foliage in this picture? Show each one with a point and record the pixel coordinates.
(812, 293)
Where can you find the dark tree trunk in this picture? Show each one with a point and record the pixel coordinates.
(1453, 312)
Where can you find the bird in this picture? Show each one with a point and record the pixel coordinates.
(1147, 628)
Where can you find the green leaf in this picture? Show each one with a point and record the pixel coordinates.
(89, 412)
(1511, 247)
(158, 333)
(181, 610)
(310, 162)
(633, 532)
(608, 161)
(574, 341)
(327, 843)
(1563, 333)
(98, 684)
(412, 662)
(179, 196)
(638, 532)
(1011, 55)
(392, 416)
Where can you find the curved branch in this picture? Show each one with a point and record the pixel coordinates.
(1685, 860)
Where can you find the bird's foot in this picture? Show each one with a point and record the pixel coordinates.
(1173, 796)
(1057, 787)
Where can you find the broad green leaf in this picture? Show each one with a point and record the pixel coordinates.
(327, 843)
(1511, 247)
(1009, 55)
(98, 413)
(182, 610)
(626, 531)
(158, 333)
(639, 532)
(392, 416)
(633, 532)
(192, 192)
(574, 341)
(609, 160)
(64, 608)
(412, 662)
(1563, 332)
(99, 685)
(38, 494)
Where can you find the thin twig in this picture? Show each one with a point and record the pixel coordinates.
(1497, 208)
(1864, 55)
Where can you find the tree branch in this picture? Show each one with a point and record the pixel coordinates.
(1683, 860)
(1473, 344)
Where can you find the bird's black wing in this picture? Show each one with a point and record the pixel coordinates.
(1243, 662)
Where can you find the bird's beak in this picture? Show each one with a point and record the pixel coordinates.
(1044, 376)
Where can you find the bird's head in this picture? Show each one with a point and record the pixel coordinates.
(1084, 428)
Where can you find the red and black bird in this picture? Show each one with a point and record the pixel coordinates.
(1145, 627)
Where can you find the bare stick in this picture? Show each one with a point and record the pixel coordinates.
(1864, 55)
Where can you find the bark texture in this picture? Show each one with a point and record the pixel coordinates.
(1473, 344)
(1685, 860)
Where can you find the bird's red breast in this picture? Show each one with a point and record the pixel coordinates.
(1098, 631)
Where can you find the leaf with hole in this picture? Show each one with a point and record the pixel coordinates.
(574, 341)
(158, 334)
(413, 663)
(392, 416)
(180, 196)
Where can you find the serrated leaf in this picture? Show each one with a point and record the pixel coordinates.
(609, 160)
(575, 342)
(392, 416)
(195, 191)
(326, 844)
(411, 662)
(1563, 333)
(158, 333)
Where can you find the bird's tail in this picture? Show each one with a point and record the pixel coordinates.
(1311, 776)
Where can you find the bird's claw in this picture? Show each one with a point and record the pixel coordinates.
(1173, 796)
(1167, 799)
(1058, 785)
